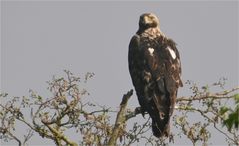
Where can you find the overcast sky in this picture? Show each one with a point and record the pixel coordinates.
(41, 39)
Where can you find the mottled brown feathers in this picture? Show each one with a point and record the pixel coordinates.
(155, 69)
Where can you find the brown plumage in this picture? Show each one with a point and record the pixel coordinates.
(155, 69)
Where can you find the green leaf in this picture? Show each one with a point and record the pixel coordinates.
(232, 121)
(236, 97)
(39, 98)
(223, 110)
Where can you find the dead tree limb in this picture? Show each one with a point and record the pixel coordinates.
(120, 120)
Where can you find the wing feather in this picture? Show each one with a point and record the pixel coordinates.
(155, 70)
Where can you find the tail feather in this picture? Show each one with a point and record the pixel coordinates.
(161, 127)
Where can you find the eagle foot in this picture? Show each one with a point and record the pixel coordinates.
(139, 110)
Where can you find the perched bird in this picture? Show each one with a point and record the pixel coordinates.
(155, 69)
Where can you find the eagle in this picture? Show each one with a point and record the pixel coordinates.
(155, 70)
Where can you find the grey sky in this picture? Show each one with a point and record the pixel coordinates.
(40, 39)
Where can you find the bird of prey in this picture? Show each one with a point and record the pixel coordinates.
(155, 69)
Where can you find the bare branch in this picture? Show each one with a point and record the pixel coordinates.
(120, 120)
(222, 95)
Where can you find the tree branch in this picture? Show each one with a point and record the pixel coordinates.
(60, 136)
(221, 95)
(120, 120)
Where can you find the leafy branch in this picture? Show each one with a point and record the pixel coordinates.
(68, 109)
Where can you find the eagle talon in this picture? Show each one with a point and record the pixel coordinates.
(139, 110)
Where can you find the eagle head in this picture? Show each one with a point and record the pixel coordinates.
(148, 20)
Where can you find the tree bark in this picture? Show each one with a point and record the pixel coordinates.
(120, 120)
